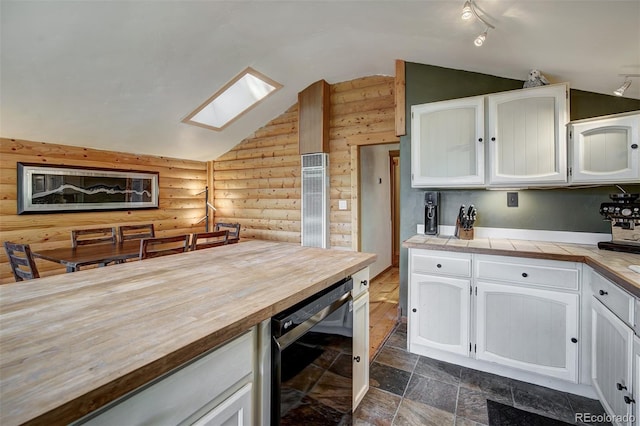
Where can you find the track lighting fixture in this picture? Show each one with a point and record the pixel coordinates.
(479, 41)
(627, 82)
(469, 11)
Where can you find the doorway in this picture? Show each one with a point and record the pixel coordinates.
(378, 223)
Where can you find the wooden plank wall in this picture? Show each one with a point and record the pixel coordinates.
(180, 207)
(257, 183)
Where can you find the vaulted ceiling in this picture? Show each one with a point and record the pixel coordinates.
(121, 75)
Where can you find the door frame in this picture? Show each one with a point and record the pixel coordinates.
(354, 143)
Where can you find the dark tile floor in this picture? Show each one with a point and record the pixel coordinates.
(409, 389)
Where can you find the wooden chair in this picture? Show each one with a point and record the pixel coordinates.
(81, 237)
(233, 228)
(209, 239)
(21, 261)
(136, 232)
(162, 246)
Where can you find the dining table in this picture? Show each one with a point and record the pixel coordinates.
(93, 254)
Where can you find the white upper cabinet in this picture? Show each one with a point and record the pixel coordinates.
(527, 136)
(525, 131)
(447, 143)
(605, 149)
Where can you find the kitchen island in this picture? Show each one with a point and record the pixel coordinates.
(73, 343)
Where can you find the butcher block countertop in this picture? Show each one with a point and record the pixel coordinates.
(611, 264)
(71, 343)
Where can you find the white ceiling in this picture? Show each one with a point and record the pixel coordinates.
(121, 75)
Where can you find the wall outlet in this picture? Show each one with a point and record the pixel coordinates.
(342, 204)
(512, 199)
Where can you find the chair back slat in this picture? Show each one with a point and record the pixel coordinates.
(233, 228)
(204, 240)
(162, 246)
(21, 261)
(81, 237)
(136, 232)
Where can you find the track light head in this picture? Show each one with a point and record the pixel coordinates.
(627, 82)
(479, 41)
(467, 12)
(620, 90)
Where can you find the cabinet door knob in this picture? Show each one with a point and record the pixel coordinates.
(493, 139)
(357, 358)
(620, 386)
(364, 282)
(634, 146)
(479, 139)
(629, 400)
(438, 266)
(414, 310)
(602, 292)
(574, 340)
(525, 275)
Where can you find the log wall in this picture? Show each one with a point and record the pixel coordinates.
(257, 183)
(180, 207)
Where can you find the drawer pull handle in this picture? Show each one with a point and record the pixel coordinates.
(620, 386)
(357, 358)
(574, 340)
(438, 266)
(603, 293)
(525, 275)
(629, 400)
(364, 282)
(414, 310)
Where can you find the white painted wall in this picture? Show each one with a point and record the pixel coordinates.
(375, 204)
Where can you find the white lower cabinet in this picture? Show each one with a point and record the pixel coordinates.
(360, 347)
(531, 329)
(439, 317)
(512, 312)
(611, 367)
(636, 379)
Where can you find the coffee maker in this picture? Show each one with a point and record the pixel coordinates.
(624, 214)
(431, 201)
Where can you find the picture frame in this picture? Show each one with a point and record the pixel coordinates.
(57, 189)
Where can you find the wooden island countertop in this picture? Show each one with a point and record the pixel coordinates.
(610, 264)
(71, 343)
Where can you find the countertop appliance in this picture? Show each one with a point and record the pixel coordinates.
(624, 213)
(431, 201)
(311, 360)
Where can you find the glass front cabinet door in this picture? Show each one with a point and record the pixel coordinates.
(447, 143)
(605, 149)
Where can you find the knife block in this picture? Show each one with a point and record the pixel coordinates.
(463, 234)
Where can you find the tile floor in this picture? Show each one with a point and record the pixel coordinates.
(408, 389)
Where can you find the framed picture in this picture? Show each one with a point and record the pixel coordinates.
(50, 188)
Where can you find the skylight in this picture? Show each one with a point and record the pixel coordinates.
(232, 100)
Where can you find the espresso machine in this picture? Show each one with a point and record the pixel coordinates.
(624, 213)
(431, 201)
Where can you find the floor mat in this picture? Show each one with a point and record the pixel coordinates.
(505, 415)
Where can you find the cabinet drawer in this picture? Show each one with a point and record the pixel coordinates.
(535, 272)
(438, 262)
(613, 297)
(360, 282)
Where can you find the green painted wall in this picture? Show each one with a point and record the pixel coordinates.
(547, 209)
